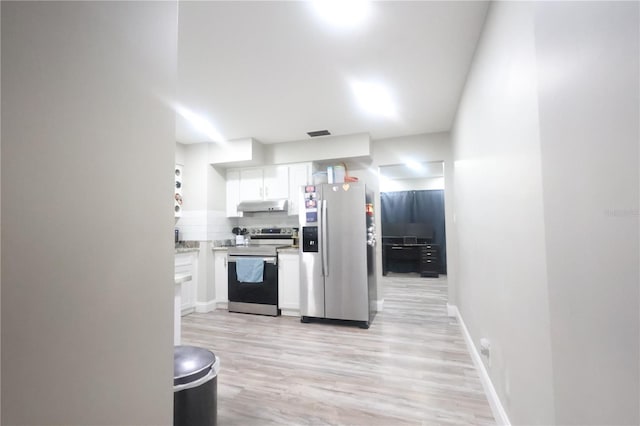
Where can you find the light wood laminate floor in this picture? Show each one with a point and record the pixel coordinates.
(410, 367)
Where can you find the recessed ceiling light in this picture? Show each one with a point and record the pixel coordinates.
(201, 124)
(342, 13)
(374, 98)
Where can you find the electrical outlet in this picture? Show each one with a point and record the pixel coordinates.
(485, 349)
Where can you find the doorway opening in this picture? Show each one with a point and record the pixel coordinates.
(412, 216)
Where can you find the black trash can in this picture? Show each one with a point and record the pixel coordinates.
(195, 386)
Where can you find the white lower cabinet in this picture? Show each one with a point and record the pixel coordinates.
(221, 278)
(289, 283)
(187, 263)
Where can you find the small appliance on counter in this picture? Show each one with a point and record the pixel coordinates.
(240, 236)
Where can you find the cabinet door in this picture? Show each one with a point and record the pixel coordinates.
(251, 185)
(220, 277)
(233, 193)
(185, 263)
(276, 183)
(188, 297)
(289, 283)
(299, 175)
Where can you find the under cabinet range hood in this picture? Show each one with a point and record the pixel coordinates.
(263, 206)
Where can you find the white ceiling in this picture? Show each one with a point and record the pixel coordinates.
(274, 71)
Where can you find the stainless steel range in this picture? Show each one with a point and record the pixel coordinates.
(253, 271)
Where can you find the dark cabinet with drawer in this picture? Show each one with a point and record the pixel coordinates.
(428, 263)
(417, 257)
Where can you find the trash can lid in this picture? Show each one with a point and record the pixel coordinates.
(191, 363)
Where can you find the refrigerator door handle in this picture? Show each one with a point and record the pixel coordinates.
(325, 234)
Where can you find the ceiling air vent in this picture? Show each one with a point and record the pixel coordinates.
(319, 133)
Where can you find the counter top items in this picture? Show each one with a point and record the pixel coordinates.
(240, 235)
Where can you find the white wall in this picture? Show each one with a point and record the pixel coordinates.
(204, 216)
(87, 327)
(588, 75)
(546, 153)
(180, 153)
(193, 221)
(416, 184)
(502, 290)
(0, 226)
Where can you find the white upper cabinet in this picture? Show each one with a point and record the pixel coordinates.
(251, 184)
(266, 183)
(299, 175)
(276, 183)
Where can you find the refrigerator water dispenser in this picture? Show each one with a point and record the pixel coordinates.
(310, 239)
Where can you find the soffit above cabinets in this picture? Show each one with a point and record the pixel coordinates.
(236, 153)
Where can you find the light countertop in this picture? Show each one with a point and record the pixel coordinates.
(182, 278)
(186, 249)
(289, 250)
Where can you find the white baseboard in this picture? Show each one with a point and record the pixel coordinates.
(496, 406)
(379, 305)
(204, 307)
(187, 311)
(223, 304)
(288, 312)
(452, 310)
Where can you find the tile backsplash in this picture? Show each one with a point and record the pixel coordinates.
(212, 225)
(204, 225)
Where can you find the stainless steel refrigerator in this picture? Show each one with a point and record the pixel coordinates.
(337, 253)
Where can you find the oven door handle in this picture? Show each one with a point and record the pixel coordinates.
(267, 259)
